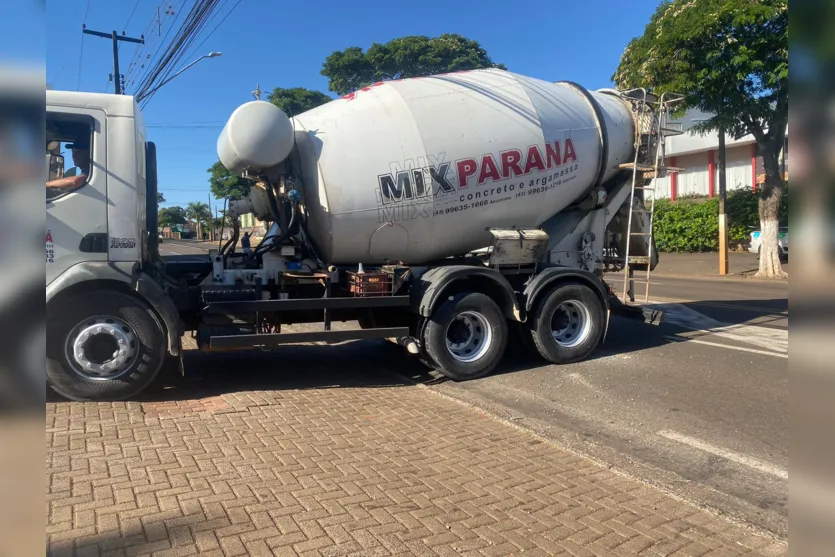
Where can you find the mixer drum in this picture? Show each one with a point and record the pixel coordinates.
(414, 170)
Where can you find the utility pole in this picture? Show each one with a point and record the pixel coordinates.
(117, 77)
(723, 215)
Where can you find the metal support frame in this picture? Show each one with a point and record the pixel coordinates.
(300, 304)
(222, 342)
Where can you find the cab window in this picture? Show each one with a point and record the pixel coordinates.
(69, 149)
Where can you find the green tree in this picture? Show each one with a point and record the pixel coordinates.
(297, 99)
(730, 59)
(200, 214)
(412, 56)
(160, 198)
(169, 216)
(227, 185)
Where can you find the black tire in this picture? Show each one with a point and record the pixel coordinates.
(480, 312)
(582, 318)
(145, 339)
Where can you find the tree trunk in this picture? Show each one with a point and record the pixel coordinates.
(771, 194)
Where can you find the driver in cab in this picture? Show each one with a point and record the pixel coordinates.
(75, 177)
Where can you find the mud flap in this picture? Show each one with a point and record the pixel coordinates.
(648, 315)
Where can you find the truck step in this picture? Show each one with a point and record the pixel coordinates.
(641, 233)
(639, 259)
(231, 342)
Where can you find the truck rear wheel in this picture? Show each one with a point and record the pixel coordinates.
(103, 346)
(466, 336)
(567, 324)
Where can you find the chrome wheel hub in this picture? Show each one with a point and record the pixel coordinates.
(468, 336)
(571, 323)
(102, 348)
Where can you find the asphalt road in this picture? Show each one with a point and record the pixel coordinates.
(184, 249)
(696, 406)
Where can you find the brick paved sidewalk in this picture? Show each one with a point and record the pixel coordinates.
(346, 471)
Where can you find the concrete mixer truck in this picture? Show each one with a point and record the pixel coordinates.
(446, 213)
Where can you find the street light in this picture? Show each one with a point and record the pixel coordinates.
(155, 89)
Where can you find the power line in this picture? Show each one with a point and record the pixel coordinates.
(147, 33)
(153, 59)
(125, 26)
(143, 82)
(144, 53)
(218, 25)
(188, 32)
(81, 49)
(130, 17)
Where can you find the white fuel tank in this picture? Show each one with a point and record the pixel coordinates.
(258, 135)
(414, 170)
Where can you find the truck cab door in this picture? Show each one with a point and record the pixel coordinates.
(76, 214)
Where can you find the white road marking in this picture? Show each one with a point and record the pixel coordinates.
(775, 340)
(748, 461)
(172, 253)
(740, 348)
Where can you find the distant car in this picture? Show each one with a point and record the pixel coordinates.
(782, 241)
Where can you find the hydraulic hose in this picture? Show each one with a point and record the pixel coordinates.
(292, 228)
(236, 229)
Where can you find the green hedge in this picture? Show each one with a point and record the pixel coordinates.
(692, 224)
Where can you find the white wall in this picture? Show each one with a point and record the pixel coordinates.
(695, 178)
(737, 168)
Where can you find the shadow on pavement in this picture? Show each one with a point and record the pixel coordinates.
(291, 367)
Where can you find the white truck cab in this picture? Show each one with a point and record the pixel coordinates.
(100, 219)
(106, 305)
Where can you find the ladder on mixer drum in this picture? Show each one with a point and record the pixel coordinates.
(643, 175)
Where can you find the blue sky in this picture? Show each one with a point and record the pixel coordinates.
(283, 44)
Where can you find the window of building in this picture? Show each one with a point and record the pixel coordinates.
(69, 149)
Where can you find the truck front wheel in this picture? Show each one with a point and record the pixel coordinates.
(567, 324)
(103, 346)
(466, 336)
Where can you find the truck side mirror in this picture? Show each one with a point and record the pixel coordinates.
(55, 164)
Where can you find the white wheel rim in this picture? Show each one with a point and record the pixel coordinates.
(468, 336)
(102, 348)
(570, 323)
